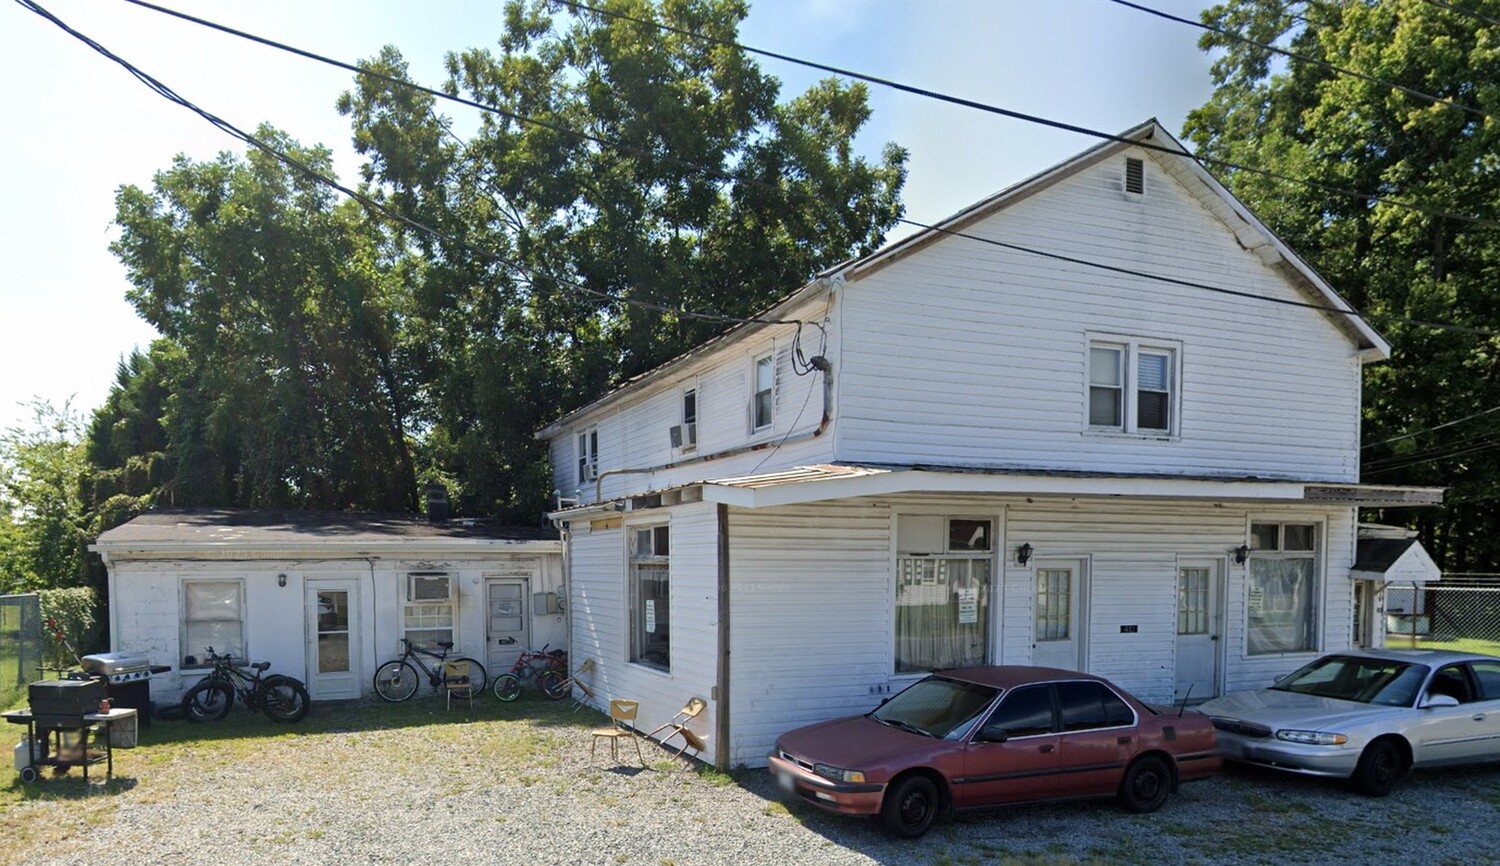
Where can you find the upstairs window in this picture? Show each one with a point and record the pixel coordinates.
(1132, 387)
(763, 400)
(687, 436)
(588, 455)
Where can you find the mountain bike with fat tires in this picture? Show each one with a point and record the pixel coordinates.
(397, 680)
(280, 697)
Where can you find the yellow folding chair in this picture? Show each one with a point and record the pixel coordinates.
(457, 677)
(678, 727)
(622, 714)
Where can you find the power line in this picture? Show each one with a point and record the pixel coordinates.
(1415, 433)
(1302, 58)
(1463, 452)
(1459, 10)
(1415, 456)
(716, 172)
(369, 203)
(1029, 118)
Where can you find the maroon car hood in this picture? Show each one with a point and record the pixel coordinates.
(852, 743)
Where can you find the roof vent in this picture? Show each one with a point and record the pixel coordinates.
(1135, 176)
(438, 509)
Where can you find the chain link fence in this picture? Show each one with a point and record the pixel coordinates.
(1459, 617)
(23, 648)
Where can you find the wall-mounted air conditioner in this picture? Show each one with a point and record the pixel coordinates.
(683, 435)
(429, 587)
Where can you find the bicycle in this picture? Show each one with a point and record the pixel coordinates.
(280, 697)
(548, 667)
(397, 680)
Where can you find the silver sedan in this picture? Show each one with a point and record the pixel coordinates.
(1367, 716)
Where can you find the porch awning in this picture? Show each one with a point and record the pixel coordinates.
(1393, 560)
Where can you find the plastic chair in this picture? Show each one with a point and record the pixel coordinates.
(621, 715)
(456, 675)
(678, 727)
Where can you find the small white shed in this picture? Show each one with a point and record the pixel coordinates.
(326, 597)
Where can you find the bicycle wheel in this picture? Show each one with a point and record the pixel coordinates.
(477, 677)
(555, 685)
(208, 701)
(507, 687)
(396, 681)
(284, 698)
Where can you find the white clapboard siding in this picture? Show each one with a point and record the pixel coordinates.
(812, 588)
(970, 354)
(600, 614)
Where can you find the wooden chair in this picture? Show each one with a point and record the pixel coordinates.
(677, 727)
(456, 675)
(621, 715)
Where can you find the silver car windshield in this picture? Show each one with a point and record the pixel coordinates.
(938, 707)
(1363, 680)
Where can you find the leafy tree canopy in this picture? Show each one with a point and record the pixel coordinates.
(44, 529)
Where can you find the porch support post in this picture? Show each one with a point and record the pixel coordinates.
(721, 691)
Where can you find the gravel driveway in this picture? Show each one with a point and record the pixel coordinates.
(367, 783)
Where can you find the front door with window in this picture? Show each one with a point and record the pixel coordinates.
(1060, 610)
(332, 608)
(505, 599)
(1198, 594)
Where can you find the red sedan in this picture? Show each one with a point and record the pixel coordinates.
(980, 737)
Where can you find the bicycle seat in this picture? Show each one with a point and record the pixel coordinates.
(558, 653)
(260, 666)
(445, 644)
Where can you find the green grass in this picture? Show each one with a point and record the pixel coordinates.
(1463, 644)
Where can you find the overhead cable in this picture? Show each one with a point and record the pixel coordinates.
(1414, 433)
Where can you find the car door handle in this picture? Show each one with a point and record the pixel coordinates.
(1479, 717)
(1124, 741)
(1046, 749)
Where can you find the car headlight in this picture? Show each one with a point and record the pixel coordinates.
(1312, 738)
(837, 774)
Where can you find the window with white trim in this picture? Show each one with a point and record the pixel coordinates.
(689, 418)
(763, 395)
(1280, 610)
(588, 455)
(943, 576)
(213, 615)
(427, 608)
(651, 596)
(1132, 387)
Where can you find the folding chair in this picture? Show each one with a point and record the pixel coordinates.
(678, 725)
(588, 694)
(456, 675)
(621, 714)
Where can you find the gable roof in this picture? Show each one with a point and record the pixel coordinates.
(1252, 234)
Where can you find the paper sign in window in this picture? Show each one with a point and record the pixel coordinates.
(650, 616)
(968, 606)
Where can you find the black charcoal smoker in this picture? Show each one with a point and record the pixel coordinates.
(127, 679)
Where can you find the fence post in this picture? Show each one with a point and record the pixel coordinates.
(1414, 592)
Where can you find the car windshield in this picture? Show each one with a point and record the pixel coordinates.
(937, 707)
(1363, 680)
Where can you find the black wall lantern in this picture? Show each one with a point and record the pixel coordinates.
(1241, 554)
(281, 580)
(1023, 554)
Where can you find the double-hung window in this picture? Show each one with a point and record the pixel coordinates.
(1132, 386)
(213, 615)
(1282, 588)
(588, 455)
(763, 396)
(943, 578)
(651, 596)
(427, 610)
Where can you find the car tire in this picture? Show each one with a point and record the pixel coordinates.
(1147, 784)
(910, 807)
(1380, 768)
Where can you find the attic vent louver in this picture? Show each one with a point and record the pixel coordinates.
(1135, 176)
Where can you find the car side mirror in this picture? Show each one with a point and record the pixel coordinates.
(1281, 679)
(994, 735)
(1434, 701)
(883, 702)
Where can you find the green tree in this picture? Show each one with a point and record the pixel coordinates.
(692, 187)
(44, 527)
(1305, 120)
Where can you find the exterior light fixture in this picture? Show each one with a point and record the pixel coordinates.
(1241, 554)
(1023, 554)
(281, 580)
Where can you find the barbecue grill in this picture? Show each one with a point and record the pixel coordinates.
(128, 677)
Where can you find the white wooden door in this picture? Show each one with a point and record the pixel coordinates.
(332, 610)
(1198, 594)
(506, 632)
(1059, 614)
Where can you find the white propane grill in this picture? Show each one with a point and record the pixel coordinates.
(118, 667)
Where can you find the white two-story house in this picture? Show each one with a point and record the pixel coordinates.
(958, 451)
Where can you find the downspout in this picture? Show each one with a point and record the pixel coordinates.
(818, 362)
(721, 691)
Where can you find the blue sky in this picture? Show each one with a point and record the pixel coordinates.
(80, 126)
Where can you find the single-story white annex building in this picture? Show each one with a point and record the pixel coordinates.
(324, 596)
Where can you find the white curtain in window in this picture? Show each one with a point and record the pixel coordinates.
(1280, 606)
(942, 613)
(213, 617)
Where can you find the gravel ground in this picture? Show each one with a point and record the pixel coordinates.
(513, 784)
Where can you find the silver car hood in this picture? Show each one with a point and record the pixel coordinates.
(1278, 709)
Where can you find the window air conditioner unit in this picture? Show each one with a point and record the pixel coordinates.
(683, 435)
(429, 587)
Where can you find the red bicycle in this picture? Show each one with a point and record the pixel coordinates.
(548, 667)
